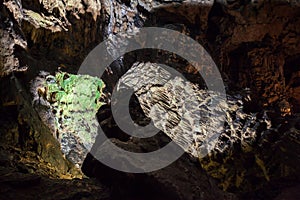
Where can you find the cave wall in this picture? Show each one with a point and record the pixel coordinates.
(256, 43)
(255, 46)
(48, 35)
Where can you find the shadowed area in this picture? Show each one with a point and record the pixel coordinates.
(255, 45)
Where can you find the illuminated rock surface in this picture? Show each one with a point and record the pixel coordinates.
(255, 44)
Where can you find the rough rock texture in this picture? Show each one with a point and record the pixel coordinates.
(22, 128)
(262, 35)
(68, 105)
(254, 43)
(54, 34)
(217, 131)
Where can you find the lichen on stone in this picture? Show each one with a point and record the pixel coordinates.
(72, 102)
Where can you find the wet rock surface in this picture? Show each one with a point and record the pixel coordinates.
(255, 44)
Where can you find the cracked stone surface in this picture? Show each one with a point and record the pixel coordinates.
(255, 45)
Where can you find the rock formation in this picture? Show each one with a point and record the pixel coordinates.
(255, 45)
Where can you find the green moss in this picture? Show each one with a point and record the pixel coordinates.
(75, 100)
